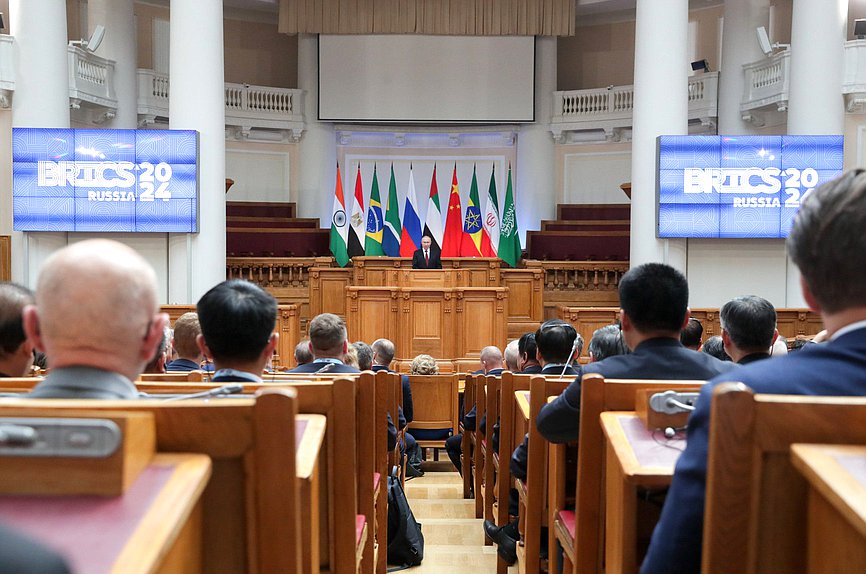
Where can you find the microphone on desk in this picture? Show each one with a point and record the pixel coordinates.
(230, 389)
(570, 355)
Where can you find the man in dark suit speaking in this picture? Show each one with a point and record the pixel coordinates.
(426, 257)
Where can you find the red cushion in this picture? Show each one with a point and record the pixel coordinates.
(360, 522)
(566, 518)
(376, 478)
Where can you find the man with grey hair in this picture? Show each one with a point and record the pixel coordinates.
(512, 355)
(328, 344)
(16, 351)
(365, 355)
(748, 328)
(97, 320)
(302, 353)
(383, 355)
(828, 246)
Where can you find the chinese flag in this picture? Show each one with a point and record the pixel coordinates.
(453, 221)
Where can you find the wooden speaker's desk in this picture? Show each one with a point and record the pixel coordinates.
(154, 526)
(636, 457)
(837, 506)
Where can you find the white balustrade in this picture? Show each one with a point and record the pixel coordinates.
(91, 82)
(767, 83)
(854, 79)
(610, 109)
(7, 70)
(247, 107)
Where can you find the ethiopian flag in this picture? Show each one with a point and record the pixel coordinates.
(476, 242)
(375, 224)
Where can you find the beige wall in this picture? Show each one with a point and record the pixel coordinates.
(255, 53)
(601, 55)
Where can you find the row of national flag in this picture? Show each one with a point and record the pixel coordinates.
(475, 233)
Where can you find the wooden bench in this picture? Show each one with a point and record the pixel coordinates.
(600, 211)
(283, 222)
(434, 400)
(755, 512)
(581, 532)
(578, 245)
(277, 242)
(261, 209)
(250, 507)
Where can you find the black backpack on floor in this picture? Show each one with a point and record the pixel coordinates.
(405, 540)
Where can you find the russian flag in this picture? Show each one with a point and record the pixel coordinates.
(410, 237)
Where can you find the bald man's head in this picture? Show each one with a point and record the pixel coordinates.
(96, 305)
(491, 358)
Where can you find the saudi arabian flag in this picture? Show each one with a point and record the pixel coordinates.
(509, 241)
(339, 224)
(391, 235)
(375, 225)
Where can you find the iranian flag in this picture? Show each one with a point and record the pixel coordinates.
(491, 214)
(433, 220)
(339, 228)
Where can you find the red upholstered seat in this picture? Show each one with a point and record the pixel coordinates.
(484, 442)
(566, 518)
(376, 478)
(360, 522)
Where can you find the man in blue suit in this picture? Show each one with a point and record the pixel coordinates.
(828, 246)
(237, 321)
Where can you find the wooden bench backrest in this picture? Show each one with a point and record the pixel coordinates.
(434, 400)
(177, 377)
(598, 395)
(250, 505)
(509, 383)
(755, 518)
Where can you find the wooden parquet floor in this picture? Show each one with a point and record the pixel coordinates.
(453, 537)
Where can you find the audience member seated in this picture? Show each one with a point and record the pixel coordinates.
(528, 351)
(364, 354)
(606, 342)
(715, 347)
(748, 328)
(350, 359)
(383, 355)
(828, 246)
(512, 356)
(16, 351)
(329, 345)
(558, 344)
(424, 365)
(156, 366)
(237, 330)
(691, 334)
(97, 320)
(654, 299)
(186, 332)
(491, 364)
(21, 555)
(303, 355)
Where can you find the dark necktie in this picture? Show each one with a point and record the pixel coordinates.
(426, 258)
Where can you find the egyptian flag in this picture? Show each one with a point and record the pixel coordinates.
(357, 227)
(476, 242)
(433, 220)
(410, 238)
(453, 221)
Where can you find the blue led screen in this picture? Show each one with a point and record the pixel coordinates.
(739, 186)
(105, 180)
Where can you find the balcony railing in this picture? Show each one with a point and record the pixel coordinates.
(766, 85)
(854, 80)
(91, 85)
(252, 111)
(610, 109)
(7, 70)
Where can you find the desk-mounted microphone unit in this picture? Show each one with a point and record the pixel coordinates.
(667, 410)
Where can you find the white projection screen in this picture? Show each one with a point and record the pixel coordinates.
(426, 79)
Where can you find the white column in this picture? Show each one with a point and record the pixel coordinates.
(534, 177)
(197, 262)
(660, 108)
(815, 103)
(739, 46)
(318, 148)
(119, 45)
(41, 99)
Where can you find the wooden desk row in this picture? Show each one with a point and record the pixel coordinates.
(281, 497)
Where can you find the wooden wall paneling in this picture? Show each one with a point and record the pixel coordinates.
(480, 319)
(5, 258)
(328, 290)
(372, 313)
(427, 278)
(525, 300)
(426, 323)
(709, 319)
(377, 271)
(477, 271)
(587, 320)
(289, 328)
(793, 322)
